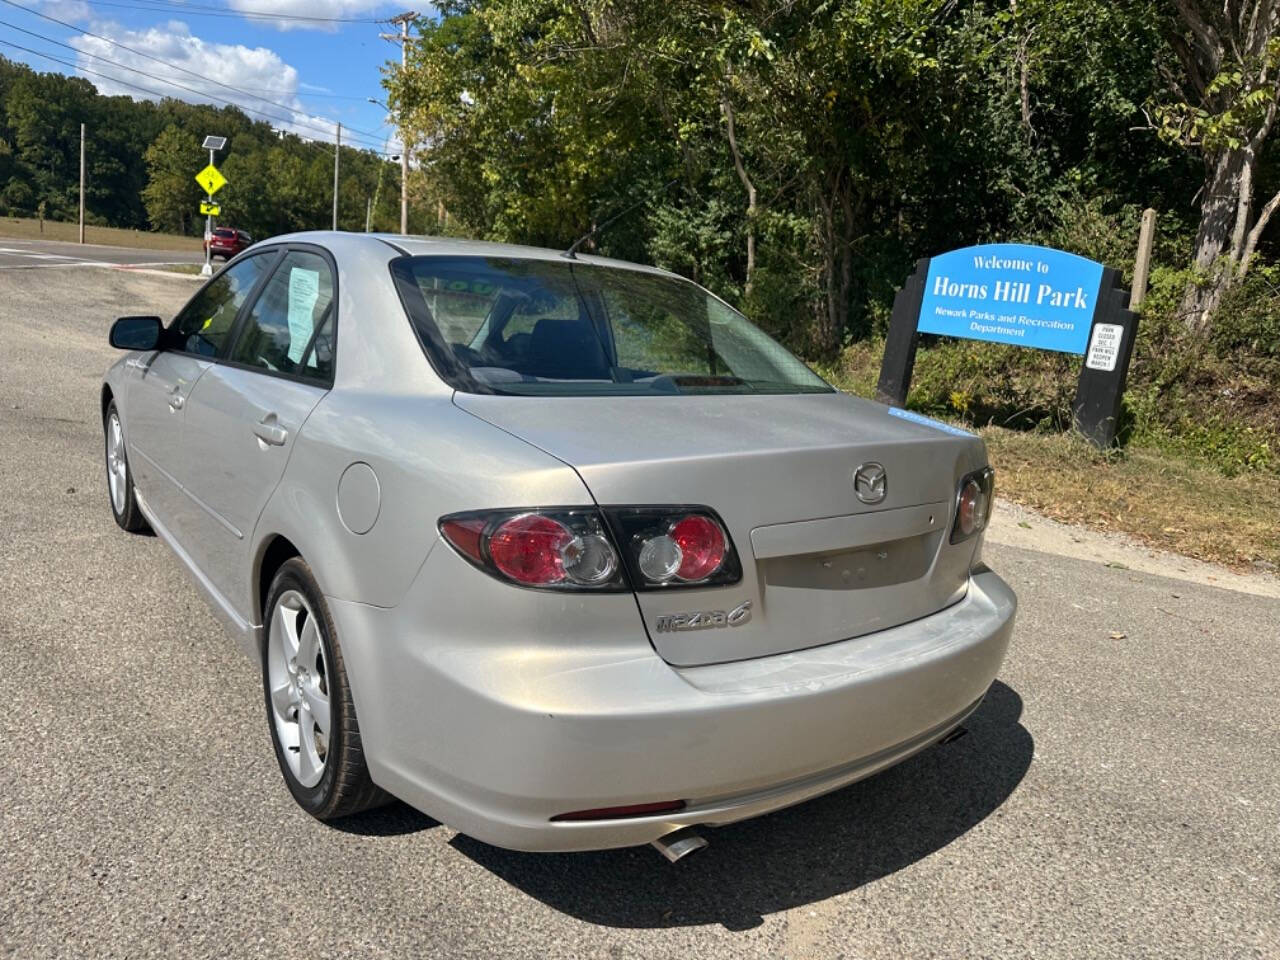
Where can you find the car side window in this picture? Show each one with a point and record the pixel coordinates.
(205, 323)
(290, 327)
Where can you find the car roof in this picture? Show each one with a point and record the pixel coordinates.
(423, 246)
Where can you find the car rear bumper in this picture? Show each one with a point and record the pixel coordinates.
(495, 739)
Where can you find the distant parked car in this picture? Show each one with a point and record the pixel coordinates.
(226, 242)
(595, 560)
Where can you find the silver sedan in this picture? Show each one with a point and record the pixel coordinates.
(562, 551)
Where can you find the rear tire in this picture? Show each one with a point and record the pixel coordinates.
(120, 492)
(309, 708)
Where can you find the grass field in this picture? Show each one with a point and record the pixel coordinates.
(28, 229)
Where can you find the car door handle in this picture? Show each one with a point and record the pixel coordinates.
(175, 400)
(268, 431)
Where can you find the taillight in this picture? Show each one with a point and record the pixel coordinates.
(567, 548)
(973, 504)
(667, 547)
(575, 548)
(702, 547)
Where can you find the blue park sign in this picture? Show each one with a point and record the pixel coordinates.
(1012, 293)
(1027, 296)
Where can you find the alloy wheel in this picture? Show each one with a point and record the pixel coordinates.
(117, 465)
(298, 679)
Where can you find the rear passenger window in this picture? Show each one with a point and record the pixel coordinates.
(290, 327)
(205, 323)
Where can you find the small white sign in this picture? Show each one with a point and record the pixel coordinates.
(304, 290)
(1104, 346)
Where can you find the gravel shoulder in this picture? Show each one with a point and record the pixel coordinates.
(1015, 525)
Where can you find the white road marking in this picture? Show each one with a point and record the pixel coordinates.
(39, 266)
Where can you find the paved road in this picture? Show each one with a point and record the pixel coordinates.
(25, 254)
(1118, 794)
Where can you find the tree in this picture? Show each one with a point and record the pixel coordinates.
(172, 195)
(1225, 109)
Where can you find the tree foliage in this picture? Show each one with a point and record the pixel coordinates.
(797, 157)
(1223, 108)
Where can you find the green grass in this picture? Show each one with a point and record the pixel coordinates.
(31, 229)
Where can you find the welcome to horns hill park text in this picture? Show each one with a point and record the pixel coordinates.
(1011, 291)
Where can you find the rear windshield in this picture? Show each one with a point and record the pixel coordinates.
(224, 233)
(498, 325)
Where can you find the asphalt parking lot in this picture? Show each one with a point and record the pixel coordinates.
(1118, 794)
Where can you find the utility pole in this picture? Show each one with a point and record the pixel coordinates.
(373, 201)
(82, 183)
(402, 38)
(337, 148)
(368, 213)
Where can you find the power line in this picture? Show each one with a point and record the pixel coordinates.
(219, 8)
(327, 96)
(148, 56)
(197, 11)
(154, 93)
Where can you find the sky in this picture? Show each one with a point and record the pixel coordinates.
(301, 65)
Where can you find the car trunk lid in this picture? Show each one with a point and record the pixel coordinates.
(819, 564)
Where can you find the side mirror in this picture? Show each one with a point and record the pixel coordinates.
(136, 333)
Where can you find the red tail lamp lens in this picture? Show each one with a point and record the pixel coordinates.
(630, 810)
(973, 504)
(972, 509)
(528, 549)
(702, 547)
(465, 534)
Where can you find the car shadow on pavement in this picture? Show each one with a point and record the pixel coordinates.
(801, 855)
(396, 819)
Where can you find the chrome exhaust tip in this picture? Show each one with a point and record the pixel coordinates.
(679, 844)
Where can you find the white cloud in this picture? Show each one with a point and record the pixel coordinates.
(62, 9)
(323, 12)
(255, 78)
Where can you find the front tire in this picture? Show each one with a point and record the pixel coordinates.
(120, 492)
(309, 707)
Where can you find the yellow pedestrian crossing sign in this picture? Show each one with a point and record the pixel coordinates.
(211, 179)
(210, 209)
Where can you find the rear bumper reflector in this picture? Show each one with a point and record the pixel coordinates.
(615, 813)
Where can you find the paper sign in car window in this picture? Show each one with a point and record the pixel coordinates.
(304, 289)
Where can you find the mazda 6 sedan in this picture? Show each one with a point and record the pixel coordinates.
(562, 551)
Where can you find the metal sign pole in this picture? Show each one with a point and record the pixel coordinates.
(212, 181)
(207, 269)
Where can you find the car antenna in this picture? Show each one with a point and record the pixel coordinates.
(572, 252)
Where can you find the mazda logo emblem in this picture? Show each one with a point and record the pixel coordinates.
(870, 482)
